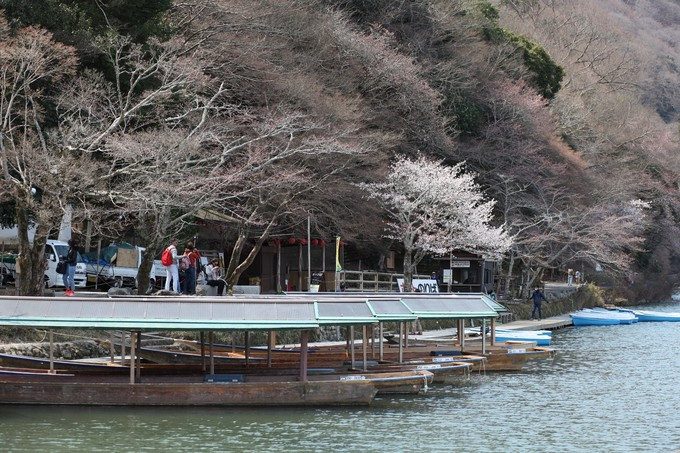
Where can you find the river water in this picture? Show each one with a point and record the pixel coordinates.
(609, 389)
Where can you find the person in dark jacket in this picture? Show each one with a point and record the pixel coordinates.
(71, 261)
(537, 296)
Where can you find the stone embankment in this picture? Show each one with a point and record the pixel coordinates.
(81, 349)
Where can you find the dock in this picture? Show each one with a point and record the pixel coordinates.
(552, 323)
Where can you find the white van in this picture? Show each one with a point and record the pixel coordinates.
(53, 251)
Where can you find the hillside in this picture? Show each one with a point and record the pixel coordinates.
(566, 111)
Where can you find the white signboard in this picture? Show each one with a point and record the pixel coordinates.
(457, 264)
(448, 276)
(419, 285)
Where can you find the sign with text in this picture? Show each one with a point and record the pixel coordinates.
(458, 264)
(448, 276)
(420, 285)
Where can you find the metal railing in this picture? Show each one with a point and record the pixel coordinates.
(370, 281)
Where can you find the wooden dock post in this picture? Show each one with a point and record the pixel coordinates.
(351, 338)
(51, 353)
(132, 357)
(212, 352)
(401, 342)
(364, 344)
(304, 338)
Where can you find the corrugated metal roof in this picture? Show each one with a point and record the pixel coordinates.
(157, 313)
(450, 307)
(344, 311)
(391, 310)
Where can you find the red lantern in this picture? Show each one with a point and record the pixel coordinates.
(303, 241)
(277, 242)
(315, 242)
(292, 241)
(342, 244)
(322, 243)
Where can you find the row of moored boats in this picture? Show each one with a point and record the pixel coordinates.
(604, 317)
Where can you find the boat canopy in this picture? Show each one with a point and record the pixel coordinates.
(391, 310)
(459, 307)
(280, 312)
(167, 313)
(340, 311)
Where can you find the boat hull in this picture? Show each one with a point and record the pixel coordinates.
(336, 393)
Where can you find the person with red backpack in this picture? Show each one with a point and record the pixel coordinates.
(169, 261)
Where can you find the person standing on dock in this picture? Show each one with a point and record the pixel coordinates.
(71, 262)
(169, 260)
(538, 297)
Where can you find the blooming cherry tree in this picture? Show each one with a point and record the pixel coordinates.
(434, 208)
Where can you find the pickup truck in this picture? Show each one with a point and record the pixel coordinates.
(121, 269)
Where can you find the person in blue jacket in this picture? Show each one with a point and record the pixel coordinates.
(537, 296)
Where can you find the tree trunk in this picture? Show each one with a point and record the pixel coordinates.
(508, 279)
(408, 270)
(152, 250)
(32, 256)
(238, 269)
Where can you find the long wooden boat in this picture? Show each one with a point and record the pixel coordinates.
(38, 390)
(393, 380)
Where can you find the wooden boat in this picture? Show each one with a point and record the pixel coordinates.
(17, 361)
(111, 392)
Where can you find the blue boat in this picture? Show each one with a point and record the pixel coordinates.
(654, 316)
(623, 317)
(594, 318)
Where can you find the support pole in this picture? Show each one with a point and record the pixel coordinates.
(51, 353)
(364, 344)
(278, 267)
(372, 341)
(138, 357)
(269, 349)
(459, 331)
(132, 358)
(462, 335)
(304, 337)
(123, 335)
(351, 339)
(247, 342)
(482, 329)
(493, 331)
(112, 347)
(401, 342)
(203, 361)
(212, 352)
(380, 344)
(309, 253)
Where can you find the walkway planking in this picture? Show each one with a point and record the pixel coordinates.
(555, 322)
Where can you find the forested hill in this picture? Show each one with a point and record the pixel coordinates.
(567, 111)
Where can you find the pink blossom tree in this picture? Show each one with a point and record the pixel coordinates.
(434, 208)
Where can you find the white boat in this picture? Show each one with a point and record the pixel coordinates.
(623, 317)
(540, 337)
(654, 316)
(592, 317)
